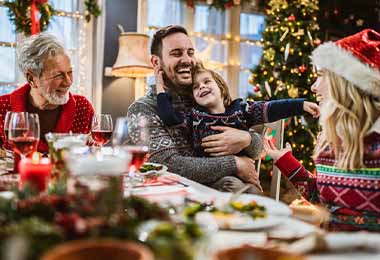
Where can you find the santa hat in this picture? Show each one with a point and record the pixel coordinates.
(356, 58)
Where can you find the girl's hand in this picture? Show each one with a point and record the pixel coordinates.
(273, 151)
(311, 108)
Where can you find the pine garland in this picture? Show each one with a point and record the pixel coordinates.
(19, 13)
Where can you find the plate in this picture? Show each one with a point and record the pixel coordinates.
(240, 222)
(273, 208)
(162, 170)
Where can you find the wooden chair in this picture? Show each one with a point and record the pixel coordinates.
(276, 177)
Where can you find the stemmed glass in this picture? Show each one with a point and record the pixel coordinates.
(133, 136)
(101, 129)
(24, 132)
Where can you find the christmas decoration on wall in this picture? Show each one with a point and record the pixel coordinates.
(92, 9)
(285, 72)
(34, 16)
(30, 16)
(220, 4)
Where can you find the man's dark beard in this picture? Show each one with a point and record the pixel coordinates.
(182, 90)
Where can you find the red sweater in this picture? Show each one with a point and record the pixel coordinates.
(76, 115)
(352, 197)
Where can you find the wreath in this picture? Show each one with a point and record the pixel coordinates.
(33, 16)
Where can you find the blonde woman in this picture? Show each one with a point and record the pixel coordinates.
(347, 154)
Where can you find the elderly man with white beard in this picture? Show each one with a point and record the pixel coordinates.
(48, 71)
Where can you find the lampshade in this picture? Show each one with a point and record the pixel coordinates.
(133, 58)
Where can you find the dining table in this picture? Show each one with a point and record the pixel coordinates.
(288, 233)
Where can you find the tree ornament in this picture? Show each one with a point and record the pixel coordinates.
(251, 79)
(278, 4)
(317, 41)
(269, 54)
(302, 68)
(293, 92)
(210, 2)
(286, 53)
(292, 18)
(284, 34)
(256, 88)
(268, 89)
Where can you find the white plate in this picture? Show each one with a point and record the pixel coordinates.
(242, 222)
(163, 170)
(273, 208)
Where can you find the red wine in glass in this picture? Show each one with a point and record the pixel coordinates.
(24, 145)
(139, 155)
(6, 133)
(101, 137)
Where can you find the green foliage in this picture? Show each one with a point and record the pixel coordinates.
(92, 8)
(19, 14)
(285, 71)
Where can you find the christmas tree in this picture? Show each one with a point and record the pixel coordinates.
(285, 70)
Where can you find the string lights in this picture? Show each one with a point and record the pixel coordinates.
(222, 39)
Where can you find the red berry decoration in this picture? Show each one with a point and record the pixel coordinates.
(302, 68)
(292, 18)
(256, 88)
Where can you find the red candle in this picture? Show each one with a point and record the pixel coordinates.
(35, 172)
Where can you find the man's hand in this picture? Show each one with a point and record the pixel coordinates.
(246, 170)
(160, 85)
(311, 108)
(230, 141)
(273, 151)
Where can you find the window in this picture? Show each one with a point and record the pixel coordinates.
(68, 22)
(7, 53)
(211, 29)
(251, 28)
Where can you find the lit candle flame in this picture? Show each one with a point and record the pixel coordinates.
(35, 158)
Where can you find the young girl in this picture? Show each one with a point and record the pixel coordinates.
(214, 107)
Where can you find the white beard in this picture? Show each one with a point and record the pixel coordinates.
(54, 99)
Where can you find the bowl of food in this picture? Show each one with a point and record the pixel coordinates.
(100, 250)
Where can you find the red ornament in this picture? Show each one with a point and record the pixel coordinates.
(292, 18)
(190, 3)
(317, 41)
(229, 4)
(302, 68)
(256, 88)
(41, 2)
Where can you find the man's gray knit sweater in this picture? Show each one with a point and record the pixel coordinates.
(172, 146)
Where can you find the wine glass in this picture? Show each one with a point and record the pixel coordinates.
(133, 136)
(101, 129)
(24, 132)
(7, 119)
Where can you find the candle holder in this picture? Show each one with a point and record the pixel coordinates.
(101, 170)
(35, 172)
(59, 144)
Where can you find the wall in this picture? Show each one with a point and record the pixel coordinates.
(118, 93)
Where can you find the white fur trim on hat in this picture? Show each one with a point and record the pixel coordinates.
(340, 61)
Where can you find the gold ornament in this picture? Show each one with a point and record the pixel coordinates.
(269, 54)
(277, 4)
(293, 92)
